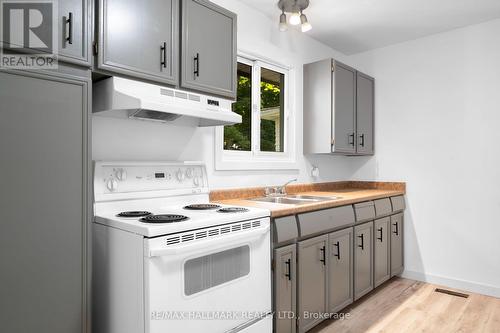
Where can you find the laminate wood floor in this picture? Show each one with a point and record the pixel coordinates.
(402, 305)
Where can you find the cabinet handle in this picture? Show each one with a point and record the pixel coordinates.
(323, 255)
(362, 143)
(362, 246)
(351, 142)
(197, 65)
(381, 230)
(163, 55)
(337, 245)
(288, 272)
(397, 229)
(69, 22)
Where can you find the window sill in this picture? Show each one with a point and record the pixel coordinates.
(231, 165)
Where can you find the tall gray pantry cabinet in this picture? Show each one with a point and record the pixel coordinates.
(44, 242)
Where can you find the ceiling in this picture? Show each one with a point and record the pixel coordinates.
(353, 26)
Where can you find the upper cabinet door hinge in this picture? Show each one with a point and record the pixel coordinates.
(333, 66)
(95, 48)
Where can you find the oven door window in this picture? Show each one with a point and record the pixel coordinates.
(206, 272)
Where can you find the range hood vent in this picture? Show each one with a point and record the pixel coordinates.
(123, 98)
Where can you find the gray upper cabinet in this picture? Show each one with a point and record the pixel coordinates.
(364, 116)
(340, 277)
(44, 258)
(344, 108)
(74, 25)
(363, 260)
(285, 281)
(312, 280)
(139, 38)
(338, 109)
(397, 263)
(208, 50)
(381, 248)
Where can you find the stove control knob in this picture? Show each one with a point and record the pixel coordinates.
(121, 174)
(196, 181)
(180, 175)
(112, 184)
(189, 173)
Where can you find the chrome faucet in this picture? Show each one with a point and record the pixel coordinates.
(278, 190)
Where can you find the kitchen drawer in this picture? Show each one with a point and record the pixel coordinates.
(325, 220)
(364, 211)
(398, 203)
(383, 207)
(285, 229)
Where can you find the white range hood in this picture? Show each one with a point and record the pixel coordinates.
(123, 98)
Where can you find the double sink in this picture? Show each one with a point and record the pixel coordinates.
(295, 199)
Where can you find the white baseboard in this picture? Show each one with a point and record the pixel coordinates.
(477, 288)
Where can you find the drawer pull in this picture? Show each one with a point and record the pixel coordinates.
(163, 56)
(396, 232)
(337, 245)
(323, 255)
(381, 230)
(362, 246)
(288, 272)
(69, 22)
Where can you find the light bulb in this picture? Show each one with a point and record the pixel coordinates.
(283, 25)
(295, 18)
(306, 26)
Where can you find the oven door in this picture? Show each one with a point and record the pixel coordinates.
(210, 280)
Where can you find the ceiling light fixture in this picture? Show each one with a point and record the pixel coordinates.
(295, 8)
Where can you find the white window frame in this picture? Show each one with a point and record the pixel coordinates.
(256, 159)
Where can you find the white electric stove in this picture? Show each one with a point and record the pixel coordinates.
(168, 260)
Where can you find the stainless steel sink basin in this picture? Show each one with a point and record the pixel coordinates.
(294, 199)
(312, 197)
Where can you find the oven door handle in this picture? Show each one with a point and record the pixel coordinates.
(224, 241)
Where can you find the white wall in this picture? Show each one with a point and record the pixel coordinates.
(129, 139)
(437, 127)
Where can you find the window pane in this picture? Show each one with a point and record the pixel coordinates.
(238, 137)
(272, 106)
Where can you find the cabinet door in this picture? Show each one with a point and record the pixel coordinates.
(312, 281)
(344, 109)
(397, 255)
(340, 277)
(139, 38)
(364, 116)
(363, 260)
(208, 48)
(285, 288)
(44, 202)
(74, 31)
(381, 247)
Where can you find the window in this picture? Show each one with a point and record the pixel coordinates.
(264, 139)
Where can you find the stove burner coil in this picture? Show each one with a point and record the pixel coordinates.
(163, 218)
(232, 210)
(133, 214)
(201, 206)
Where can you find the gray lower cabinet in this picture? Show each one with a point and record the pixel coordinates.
(365, 86)
(74, 29)
(285, 283)
(45, 203)
(340, 269)
(208, 50)
(381, 248)
(363, 259)
(312, 281)
(397, 259)
(139, 38)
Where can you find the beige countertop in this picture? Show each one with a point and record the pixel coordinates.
(346, 192)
